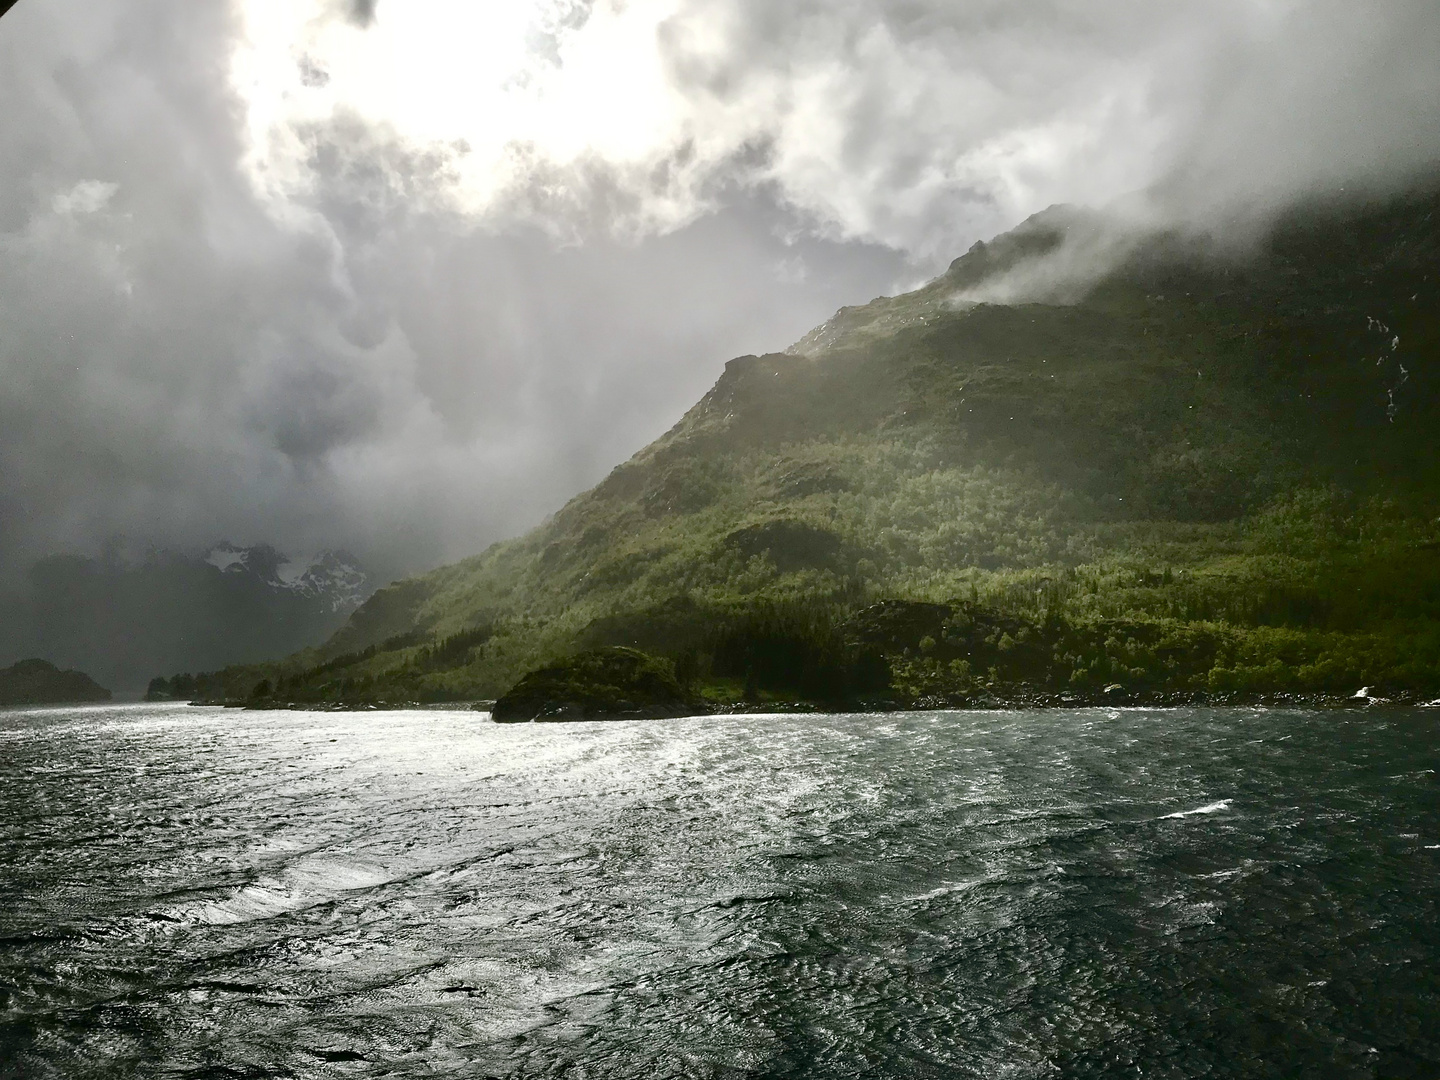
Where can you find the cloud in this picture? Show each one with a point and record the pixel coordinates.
(86, 197)
(402, 277)
(185, 358)
(360, 12)
(1315, 97)
(917, 125)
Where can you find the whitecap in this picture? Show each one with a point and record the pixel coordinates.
(1208, 808)
(311, 881)
(952, 888)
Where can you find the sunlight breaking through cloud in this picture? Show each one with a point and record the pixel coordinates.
(631, 117)
(402, 275)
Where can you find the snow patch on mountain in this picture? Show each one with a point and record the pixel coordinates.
(333, 578)
(226, 557)
(332, 575)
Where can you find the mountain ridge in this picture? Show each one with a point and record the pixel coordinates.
(1187, 414)
(334, 577)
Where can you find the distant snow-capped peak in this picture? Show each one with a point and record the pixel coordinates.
(227, 557)
(332, 576)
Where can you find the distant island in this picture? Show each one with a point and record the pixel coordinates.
(39, 682)
(1185, 475)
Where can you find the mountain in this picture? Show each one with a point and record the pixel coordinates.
(1087, 459)
(332, 579)
(129, 619)
(38, 682)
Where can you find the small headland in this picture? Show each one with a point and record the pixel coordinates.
(39, 682)
(608, 683)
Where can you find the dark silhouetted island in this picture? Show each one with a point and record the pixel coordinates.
(614, 683)
(39, 682)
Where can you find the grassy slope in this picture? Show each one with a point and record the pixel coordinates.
(1195, 470)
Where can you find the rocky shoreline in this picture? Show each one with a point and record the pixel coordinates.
(999, 701)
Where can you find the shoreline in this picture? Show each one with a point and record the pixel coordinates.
(1025, 701)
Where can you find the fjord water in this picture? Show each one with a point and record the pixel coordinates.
(204, 893)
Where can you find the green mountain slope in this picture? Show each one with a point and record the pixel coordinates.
(1202, 470)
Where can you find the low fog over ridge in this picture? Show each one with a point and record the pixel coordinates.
(400, 278)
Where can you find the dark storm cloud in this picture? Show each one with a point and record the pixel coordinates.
(180, 366)
(364, 360)
(361, 12)
(153, 313)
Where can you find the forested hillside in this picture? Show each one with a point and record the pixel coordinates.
(1083, 460)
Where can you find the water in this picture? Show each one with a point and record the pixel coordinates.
(205, 893)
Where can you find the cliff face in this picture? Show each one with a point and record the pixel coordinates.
(39, 682)
(1076, 421)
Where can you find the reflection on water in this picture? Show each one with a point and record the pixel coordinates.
(206, 893)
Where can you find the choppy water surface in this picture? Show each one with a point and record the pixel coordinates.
(205, 893)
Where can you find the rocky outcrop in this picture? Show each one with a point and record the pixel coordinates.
(615, 683)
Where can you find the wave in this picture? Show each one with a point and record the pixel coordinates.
(310, 882)
(1208, 808)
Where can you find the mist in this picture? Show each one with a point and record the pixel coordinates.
(402, 278)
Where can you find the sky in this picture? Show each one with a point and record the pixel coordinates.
(402, 276)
